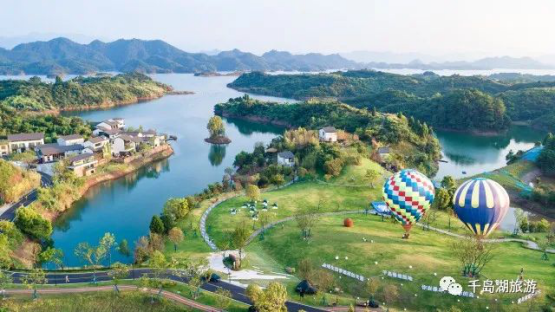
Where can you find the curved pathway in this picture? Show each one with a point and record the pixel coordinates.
(527, 243)
(166, 294)
(204, 216)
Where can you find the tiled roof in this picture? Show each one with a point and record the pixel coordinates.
(80, 157)
(329, 129)
(26, 137)
(71, 137)
(286, 155)
(54, 148)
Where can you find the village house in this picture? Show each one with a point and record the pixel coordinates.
(23, 142)
(125, 145)
(53, 152)
(82, 164)
(383, 152)
(110, 128)
(328, 134)
(96, 144)
(71, 140)
(286, 158)
(4, 148)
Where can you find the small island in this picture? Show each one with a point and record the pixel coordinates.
(216, 129)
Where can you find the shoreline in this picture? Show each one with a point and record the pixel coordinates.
(109, 104)
(164, 153)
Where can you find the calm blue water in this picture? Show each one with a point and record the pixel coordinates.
(125, 206)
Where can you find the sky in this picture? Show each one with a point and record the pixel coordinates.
(439, 27)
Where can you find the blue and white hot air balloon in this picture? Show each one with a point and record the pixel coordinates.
(481, 204)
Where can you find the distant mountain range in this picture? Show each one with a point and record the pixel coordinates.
(490, 63)
(63, 56)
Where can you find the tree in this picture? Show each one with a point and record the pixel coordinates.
(33, 279)
(253, 292)
(123, 248)
(307, 219)
(240, 237)
(216, 127)
(372, 285)
(91, 255)
(278, 180)
(272, 299)
(5, 280)
(473, 254)
(178, 208)
(32, 223)
(449, 183)
(52, 255)
(176, 236)
(223, 298)
(306, 269)
(253, 192)
(390, 294)
(156, 225)
(118, 272)
(520, 218)
(372, 174)
(158, 263)
(108, 241)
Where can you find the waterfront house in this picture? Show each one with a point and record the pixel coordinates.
(286, 158)
(328, 134)
(113, 123)
(70, 140)
(124, 145)
(96, 144)
(4, 148)
(53, 152)
(23, 142)
(82, 164)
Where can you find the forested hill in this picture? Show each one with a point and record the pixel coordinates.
(62, 56)
(413, 142)
(466, 103)
(79, 93)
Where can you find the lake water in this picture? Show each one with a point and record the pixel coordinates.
(125, 206)
(469, 155)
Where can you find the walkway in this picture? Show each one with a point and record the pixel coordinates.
(7, 212)
(237, 293)
(166, 294)
(204, 216)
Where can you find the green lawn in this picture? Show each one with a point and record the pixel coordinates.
(426, 251)
(129, 301)
(350, 191)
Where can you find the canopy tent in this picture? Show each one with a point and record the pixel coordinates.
(306, 288)
(381, 208)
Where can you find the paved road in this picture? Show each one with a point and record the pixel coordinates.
(9, 211)
(237, 293)
(166, 294)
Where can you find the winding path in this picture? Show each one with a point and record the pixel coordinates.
(166, 294)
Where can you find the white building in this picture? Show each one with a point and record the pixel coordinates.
(83, 164)
(53, 152)
(96, 144)
(22, 142)
(286, 158)
(328, 134)
(71, 140)
(124, 145)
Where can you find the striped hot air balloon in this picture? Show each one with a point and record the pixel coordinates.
(408, 194)
(481, 204)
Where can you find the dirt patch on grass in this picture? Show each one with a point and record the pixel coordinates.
(27, 253)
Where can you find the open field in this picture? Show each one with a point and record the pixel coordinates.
(426, 251)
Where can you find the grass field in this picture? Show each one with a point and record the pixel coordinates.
(426, 251)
